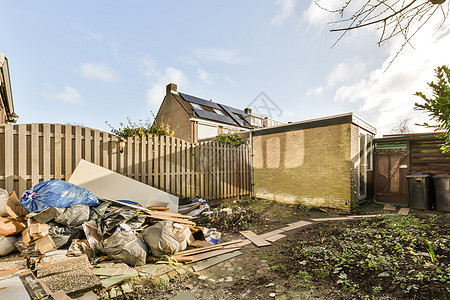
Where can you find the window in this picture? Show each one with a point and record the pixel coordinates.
(218, 111)
(195, 105)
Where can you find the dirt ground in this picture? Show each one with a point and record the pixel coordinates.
(285, 270)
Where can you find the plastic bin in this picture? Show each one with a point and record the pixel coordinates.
(419, 188)
(441, 184)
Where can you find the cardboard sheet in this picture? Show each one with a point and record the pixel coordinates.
(106, 184)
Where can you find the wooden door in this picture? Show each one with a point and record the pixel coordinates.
(392, 163)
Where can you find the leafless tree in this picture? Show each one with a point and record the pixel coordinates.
(393, 17)
(402, 126)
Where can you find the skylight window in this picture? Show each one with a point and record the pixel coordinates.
(195, 105)
(218, 111)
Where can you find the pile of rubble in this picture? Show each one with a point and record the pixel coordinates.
(62, 230)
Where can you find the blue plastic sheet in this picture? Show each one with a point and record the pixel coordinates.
(56, 193)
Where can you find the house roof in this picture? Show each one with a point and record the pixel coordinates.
(320, 122)
(5, 89)
(213, 111)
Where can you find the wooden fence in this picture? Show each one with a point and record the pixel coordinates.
(30, 153)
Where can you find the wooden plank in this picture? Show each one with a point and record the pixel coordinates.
(129, 156)
(77, 153)
(151, 160)
(208, 248)
(87, 144)
(22, 158)
(183, 170)
(210, 254)
(275, 237)
(156, 161)
(172, 165)
(167, 143)
(58, 152)
(255, 239)
(143, 160)
(215, 260)
(136, 156)
(35, 155)
(96, 147)
(9, 157)
(46, 152)
(404, 211)
(389, 207)
(105, 149)
(114, 155)
(67, 152)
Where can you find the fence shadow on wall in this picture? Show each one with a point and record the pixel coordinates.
(38, 152)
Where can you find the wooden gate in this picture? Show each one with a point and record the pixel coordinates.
(392, 163)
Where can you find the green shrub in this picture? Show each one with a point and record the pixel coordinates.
(147, 127)
(230, 138)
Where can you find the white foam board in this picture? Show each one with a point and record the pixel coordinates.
(107, 184)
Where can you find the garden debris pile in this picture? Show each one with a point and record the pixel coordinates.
(59, 218)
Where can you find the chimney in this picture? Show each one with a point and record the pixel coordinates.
(248, 111)
(171, 88)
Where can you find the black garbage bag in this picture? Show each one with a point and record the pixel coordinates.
(109, 222)
(74, 216)
(62, 235)
(125, 245)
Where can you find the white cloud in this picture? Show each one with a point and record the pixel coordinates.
(318, 91)
(69, 95)
(159, 79)
(89, 34)
(205, 76)
(317, 16)
(228, 56)
(287, 9)
(346, 71)
(99, 71)
(387, 95)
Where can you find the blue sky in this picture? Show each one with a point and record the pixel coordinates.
(87, 62)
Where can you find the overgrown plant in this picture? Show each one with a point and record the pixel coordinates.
(147, 127)
(230, 138)
(438, 107)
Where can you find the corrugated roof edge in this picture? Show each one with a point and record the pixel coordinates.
(319, 122)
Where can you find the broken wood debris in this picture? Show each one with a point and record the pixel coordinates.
(255, 239)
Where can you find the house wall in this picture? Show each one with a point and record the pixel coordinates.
(311, 166)
(171, 112)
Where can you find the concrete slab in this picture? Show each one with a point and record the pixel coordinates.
(74, 283)
(106, 184)
(12, 288)
(60, 264)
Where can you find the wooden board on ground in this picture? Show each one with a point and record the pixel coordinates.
(332, 219)
(298, 224)
(404, 211)
(366, 216)
(275, 237)
(255, 239)
(215, 260)
(200, 244)
(389, 207)
(210, 254)
(208, 248)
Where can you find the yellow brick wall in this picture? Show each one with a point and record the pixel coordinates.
(172, 113)
(309, 166)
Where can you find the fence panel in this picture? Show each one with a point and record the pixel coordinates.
(35, 152)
